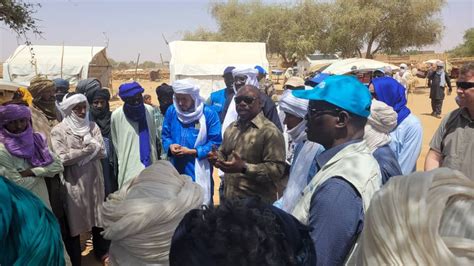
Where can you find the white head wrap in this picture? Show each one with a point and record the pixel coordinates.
(293, 105)
(79, 126)
(425, 218)
(142, 216)
(382, 120)
(186, 86)
(250, 73)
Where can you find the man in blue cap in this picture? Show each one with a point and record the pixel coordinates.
(220, 100)
(133, 133)
(265, 85)
(336, 198)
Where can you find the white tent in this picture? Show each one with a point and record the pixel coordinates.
(345, 66)
(72, 63)
(205, 61)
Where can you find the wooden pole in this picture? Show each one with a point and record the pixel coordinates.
(62, 60)
(136, 66)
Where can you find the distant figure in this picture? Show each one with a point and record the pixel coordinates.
(265, 84)
(437, 81)
(221, 99)
(62, 88)
(403, 76)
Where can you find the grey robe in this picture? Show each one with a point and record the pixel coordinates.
(84, 185)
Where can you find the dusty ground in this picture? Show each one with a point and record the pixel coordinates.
(418, 102)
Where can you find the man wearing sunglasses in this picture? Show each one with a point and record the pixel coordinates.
(252, 154)
(336, 198)
(453, 143)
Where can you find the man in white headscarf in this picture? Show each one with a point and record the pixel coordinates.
(142, 216)
(248, 76)
(382, 120)
(301, 153)
(425, 218)
(78, 143)
(190, 131)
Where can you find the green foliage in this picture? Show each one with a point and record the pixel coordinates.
(341, 26)
(18, 16)
(466, 48)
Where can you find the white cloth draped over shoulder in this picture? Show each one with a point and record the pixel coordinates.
(202, 168)
(425, 218)
(142, 216)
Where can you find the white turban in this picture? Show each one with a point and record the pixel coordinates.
(382, 120)
(251, 74)
(425, 218)
(293, 105)
(79, 126)
(186, 86)
(141, 217)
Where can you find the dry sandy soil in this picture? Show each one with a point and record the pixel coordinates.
(418, 102)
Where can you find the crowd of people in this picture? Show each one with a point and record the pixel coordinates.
(323, 176)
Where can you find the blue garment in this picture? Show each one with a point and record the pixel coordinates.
(388, 162)
(391, 92)
(406, 143)
(314, 165)
(29, 231)
(217, 102)
(137, 113)
(336, 215)
(175, 132)
(110, 179)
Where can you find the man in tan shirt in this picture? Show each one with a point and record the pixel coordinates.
(252, 154)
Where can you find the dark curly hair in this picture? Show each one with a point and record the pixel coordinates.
(241, 232)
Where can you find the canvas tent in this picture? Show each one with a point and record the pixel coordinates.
(344, 66)
(72, 63)
(205, 61)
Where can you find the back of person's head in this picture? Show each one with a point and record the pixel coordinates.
(241, 232)
(425, 218)
(164, 90)
(142, 216)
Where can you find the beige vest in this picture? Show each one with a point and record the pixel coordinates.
(356, 165)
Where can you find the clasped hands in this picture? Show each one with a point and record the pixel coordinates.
(236, 165)
(178, 150)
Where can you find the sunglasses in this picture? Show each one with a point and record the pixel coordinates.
(464, 85)
(245, 99)
(313, 112)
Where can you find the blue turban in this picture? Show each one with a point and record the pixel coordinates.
(131, 89)
(61, 83)
(228, 70)
(137, 113)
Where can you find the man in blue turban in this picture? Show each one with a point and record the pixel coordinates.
(133, 133)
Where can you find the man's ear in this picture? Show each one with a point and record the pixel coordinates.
(342, 119)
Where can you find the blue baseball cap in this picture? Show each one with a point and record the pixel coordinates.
(318, 78)
(343, 91)
(260, 70)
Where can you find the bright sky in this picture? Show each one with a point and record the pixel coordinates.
(136, 26)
